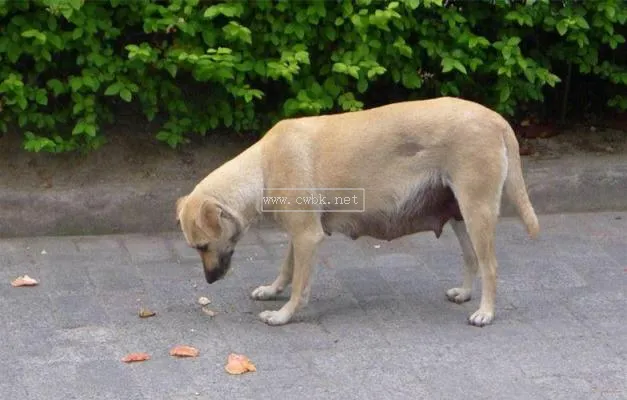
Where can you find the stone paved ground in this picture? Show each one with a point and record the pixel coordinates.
(377, 327)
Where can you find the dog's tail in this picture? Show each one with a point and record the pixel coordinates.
(515, 185)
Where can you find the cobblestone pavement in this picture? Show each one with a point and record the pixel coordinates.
(378, 325)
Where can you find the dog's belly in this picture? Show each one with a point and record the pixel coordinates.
(428, 210)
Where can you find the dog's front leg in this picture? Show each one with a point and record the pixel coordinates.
(267, 292)
(304, 248)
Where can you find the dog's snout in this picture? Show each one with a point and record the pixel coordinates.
(217, 272)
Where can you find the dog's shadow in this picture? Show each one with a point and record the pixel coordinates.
(418, 306)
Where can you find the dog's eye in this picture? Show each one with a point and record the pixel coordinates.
(203, 247)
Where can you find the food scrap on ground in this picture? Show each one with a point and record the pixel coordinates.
(24, 280)
(145, 313)
(238, 364)
(208, 311)
(184, 351)
(136, 357)
(203, 301)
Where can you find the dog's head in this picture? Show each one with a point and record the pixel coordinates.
(212, 230)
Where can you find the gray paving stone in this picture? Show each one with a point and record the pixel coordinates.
(610, 383)
(566, 388)
(147, 249)
(11, 384)
(62, 249)
(106, 380)
(548, 316)
(73, 311)
(27, 313)
(378, 324)
(113, 278)
(251, 252)
(107, 249)
(183, 252)
(367, 283)
(49, 345)
(586, 354)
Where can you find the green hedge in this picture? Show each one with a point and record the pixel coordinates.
(66, 66)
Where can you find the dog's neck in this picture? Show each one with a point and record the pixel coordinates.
(238, 184)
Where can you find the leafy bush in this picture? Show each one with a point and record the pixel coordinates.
(66, 66)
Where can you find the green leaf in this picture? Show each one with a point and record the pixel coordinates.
(505, 93)
(330, 33)
(77, 33)
(582, 23)
(233, 30)
(260, 68)
(412, 4)
(114, 89)
(353, 71)
(91, 82)
(234, 9)
(56, 86)
(76, 4)
(362, 85)
(90, 130)
(67, 12)
(76, 82)
(377, 70)
(78, 107)
(163, 135)
(411, 79)
(171, 68)
(448, 64)
(41, 97)
(529, 74)
(31, 33)
(513, 41)
(126, 95)
(56, 41)
(340, 68)
(78, 128)
(474, 62)
(22, 120)
(562, 27)
(52, 23)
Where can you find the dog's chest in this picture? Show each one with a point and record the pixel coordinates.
(428, 209)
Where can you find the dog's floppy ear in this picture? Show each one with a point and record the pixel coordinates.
(179, 205)
(208, 219)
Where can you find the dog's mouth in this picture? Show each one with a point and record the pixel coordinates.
(213, 274)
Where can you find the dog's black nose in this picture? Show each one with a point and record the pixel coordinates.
(211, 276)
(218, 272)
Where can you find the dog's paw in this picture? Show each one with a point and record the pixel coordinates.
(481, 318)
(264, 293)
(458, 295)
(274, 317)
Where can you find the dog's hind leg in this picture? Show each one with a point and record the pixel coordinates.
(481, 225)
(471, 265)
(304, 248)
(479, 200)
(267, 292)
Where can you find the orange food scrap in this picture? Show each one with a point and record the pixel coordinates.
(184, 351)
(135, 357)
(238, 364)
(24, 280)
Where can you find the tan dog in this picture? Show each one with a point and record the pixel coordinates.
(421, 164)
